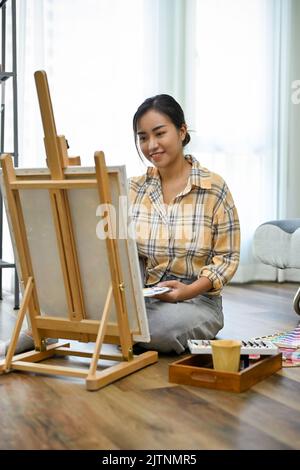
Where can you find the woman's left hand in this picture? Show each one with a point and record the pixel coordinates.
(179, 292)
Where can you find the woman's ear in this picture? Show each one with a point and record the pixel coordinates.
(183, 131)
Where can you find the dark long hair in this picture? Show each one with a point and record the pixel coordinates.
(164, 104)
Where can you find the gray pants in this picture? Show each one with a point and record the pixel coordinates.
(172, 324)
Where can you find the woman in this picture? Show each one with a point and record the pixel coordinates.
(187, 229)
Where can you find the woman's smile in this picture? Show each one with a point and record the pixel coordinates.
(156, 156)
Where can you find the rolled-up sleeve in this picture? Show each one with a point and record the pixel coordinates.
(225, 254)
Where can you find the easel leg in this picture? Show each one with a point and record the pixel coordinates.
(109, 375)
(100, 336)
(18, 325)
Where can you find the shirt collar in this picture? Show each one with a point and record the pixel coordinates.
(200, 177)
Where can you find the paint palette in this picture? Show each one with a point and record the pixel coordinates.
(156, 290)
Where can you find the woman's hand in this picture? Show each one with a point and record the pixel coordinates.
(179, 292)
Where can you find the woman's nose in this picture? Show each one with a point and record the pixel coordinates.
(152, 143)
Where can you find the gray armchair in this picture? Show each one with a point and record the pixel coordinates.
(277, 243)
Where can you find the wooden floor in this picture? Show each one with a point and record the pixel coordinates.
(144, 411)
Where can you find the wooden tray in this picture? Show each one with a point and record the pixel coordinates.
(197, 370)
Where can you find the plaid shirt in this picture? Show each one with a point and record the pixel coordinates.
(197, 235)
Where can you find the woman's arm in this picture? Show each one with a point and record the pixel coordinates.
(226, 245)
(181, 291)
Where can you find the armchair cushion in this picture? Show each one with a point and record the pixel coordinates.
(277, 243)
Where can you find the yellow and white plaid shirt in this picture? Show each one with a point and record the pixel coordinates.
(197, 235)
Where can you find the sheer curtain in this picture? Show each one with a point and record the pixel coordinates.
(239, 109)
(225, 61)
(93, 54)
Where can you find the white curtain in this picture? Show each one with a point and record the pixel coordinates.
(289, 124)
(93, 52)
(225, 61)
(236, 110)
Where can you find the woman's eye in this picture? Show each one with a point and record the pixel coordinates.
(159, 134)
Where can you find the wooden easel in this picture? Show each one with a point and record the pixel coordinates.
(76, 326)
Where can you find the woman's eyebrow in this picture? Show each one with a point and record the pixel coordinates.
(158, 127)
(153, 130)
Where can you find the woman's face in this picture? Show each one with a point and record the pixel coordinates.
(160, 141)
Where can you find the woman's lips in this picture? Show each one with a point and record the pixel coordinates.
(156, 156)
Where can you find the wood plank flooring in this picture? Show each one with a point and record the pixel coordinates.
(145, 411)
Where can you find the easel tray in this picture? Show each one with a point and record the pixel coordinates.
(197, 370)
